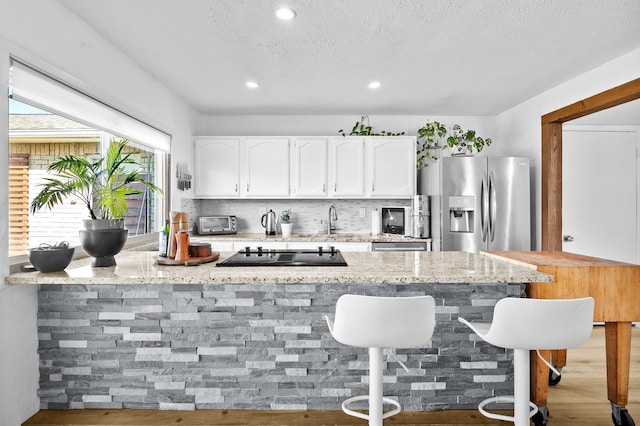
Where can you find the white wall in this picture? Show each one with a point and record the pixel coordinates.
(521, 124)
(48, 36)
(18, 306)
(328, 125)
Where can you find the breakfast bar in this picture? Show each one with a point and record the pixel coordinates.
(143, 335)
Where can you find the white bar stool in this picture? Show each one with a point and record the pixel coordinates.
(532, 324)
(376, 323)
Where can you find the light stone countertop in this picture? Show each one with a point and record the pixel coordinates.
(335, 237)
(140, 267)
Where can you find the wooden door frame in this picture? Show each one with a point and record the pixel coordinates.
(552, 154)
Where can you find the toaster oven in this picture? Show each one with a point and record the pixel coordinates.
(216, 225)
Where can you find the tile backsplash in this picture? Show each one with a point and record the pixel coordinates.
(306, 214)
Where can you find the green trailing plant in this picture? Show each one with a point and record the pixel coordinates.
(428, 140)
(465, 142)
(102, 185)
(362, 129)
(434, 136)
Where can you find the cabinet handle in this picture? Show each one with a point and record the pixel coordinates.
(324, 188)
(247, 186)
(373, 187)
(236, 189)
(335, 187)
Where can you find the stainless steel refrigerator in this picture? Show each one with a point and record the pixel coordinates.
(478, 203)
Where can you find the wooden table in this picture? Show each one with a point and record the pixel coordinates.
(615, 286)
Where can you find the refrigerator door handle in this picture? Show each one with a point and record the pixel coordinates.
(484, 208)
(493, 207)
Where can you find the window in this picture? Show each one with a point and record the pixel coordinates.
(48, 119)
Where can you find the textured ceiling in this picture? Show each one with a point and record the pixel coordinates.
(446, 57)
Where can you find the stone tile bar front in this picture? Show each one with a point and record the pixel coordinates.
(252, 346)
(143, 335)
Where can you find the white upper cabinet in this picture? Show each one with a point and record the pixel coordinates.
(391, 167)
(266, 167)
(347, 167)
(305, 167)
(309, 166)
(217, 167)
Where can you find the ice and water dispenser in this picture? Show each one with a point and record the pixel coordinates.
(461, 213)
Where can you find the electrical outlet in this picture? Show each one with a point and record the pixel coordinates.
(363, 212)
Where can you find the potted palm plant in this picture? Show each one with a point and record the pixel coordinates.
(103, 185)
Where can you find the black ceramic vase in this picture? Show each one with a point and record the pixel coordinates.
(103, 240)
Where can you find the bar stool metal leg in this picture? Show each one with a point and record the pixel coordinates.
(376, 413)
(523, 409)
(521, 391)
(375, 386)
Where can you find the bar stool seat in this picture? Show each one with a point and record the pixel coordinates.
(532, 324)
(377, 323)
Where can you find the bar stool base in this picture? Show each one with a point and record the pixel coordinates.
(360, 415)
(503, 399)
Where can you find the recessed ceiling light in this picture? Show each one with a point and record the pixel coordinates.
(252, 85)
(285, 13)
(374, 85)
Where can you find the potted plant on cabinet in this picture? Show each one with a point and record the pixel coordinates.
(466, 142)
(286, 223)
(429, 137)
(103, 186)
(360, 129)
(460, 142)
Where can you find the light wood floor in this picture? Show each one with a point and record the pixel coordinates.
(579, 399)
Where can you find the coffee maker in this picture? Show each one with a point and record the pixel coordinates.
(421, 217)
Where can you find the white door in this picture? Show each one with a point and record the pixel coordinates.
(599, 192)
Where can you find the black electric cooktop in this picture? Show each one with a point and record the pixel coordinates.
(263, 257)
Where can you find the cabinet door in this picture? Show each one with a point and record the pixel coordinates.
(217, 167)
(309, 167)
(347, 167)
(266, 171)
(391, 165)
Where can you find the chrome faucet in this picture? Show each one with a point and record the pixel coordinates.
(333, 215)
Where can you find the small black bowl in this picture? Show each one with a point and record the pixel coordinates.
(51, 258)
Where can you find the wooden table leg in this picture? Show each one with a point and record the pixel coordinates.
(618, 347)
(539, 378)
(559, 358)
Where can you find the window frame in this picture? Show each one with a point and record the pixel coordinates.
(160, 144)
